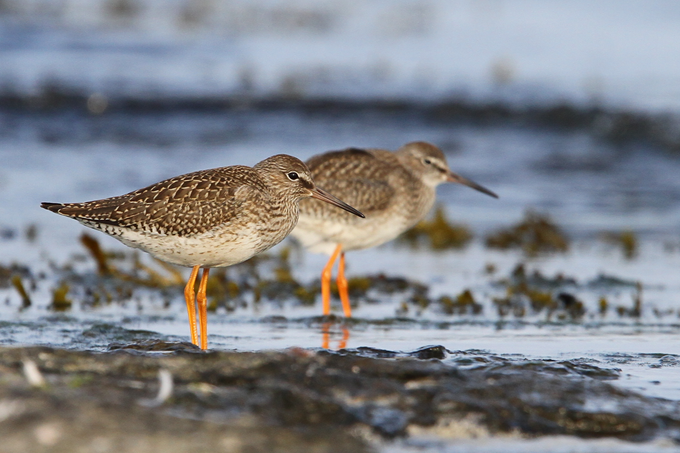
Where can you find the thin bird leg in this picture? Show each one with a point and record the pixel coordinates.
(325, 335)
(202, 300)
(343, 287)
(345, 337)
(326, 281)
(190, 298)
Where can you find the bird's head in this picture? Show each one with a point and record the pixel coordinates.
(428, 163)
(292, 178)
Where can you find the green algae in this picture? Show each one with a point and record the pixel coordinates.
(464, 303)
(19, 286)
(533, 293)
(60, 301)
(437, 233)
(534, 235)
(626, 241)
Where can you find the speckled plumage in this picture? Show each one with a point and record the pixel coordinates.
(394, 190)
(209, 218)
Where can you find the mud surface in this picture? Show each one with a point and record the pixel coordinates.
(300, 400)
(113, 324)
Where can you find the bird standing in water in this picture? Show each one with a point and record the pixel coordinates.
(209, 218)
(395, 190)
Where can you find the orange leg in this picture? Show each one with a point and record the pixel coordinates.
(202, 300)
(343, 287)
(325, 335)
(326, 281)
(190, 299)
(345, 338)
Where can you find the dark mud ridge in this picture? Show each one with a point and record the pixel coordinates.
(299, 400)
(613, 125)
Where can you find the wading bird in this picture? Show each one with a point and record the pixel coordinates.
(395, 190)
(209, 218)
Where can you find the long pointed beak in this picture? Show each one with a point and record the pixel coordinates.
(328, 198)
(453, 177)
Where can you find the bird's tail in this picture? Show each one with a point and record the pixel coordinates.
(54, 207)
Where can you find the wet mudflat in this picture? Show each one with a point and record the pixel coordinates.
(523, 353)
(555, 317)
(296, 399)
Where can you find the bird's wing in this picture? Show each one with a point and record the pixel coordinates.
(356, 176)
(187, 204)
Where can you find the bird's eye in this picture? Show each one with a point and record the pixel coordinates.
(427, 161)
(293, 176)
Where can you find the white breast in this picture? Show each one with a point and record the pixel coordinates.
(217, 248)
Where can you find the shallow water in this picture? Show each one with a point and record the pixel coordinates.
(614, 195)
(519, 52)
(588, 182)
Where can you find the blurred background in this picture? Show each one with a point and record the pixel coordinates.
(566, 109)
(614, 53)
(570, 108)
(570, 111)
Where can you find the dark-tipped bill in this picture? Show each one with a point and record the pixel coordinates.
(453, 177)
(328, 198)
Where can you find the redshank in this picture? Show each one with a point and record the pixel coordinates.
(394, 189)
(209, 218)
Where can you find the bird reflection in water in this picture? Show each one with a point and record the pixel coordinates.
(326, 336)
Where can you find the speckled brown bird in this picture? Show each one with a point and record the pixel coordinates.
(209, 218)
(394, 190)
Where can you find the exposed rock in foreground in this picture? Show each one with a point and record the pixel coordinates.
(297, 400)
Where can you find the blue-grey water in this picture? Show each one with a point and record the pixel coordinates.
(137, 105)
